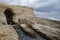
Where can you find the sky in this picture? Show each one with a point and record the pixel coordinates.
(43, 8)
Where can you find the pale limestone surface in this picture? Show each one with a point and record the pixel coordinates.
(8, 33)
(50, 28)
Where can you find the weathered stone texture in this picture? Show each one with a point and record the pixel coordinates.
(8, 33)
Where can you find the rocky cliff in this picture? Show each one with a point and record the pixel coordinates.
(14, 17)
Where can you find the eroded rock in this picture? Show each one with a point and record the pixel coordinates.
(48, 31)
(8, 33)
(30, 24)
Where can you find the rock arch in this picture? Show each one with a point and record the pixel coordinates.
(9, 16)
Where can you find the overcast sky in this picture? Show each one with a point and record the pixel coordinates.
(43, 8)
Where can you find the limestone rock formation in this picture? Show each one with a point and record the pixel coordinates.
(25, 19)
(48, 29)
(18, 11)
(8, 33)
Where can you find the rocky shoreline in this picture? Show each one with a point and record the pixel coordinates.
(20, 23)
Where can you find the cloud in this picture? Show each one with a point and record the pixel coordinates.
(51, 4)
(18, 2)
(48, 9)
(33, 3)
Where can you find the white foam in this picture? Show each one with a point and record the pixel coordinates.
(54, 19)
